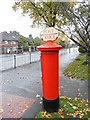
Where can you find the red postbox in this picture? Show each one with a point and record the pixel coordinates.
(50, 73)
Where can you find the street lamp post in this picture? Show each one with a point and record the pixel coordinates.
(30, 53)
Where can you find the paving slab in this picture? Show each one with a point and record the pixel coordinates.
(14, 106)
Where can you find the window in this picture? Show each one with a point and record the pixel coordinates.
(8, 50)
(6, 42)
(14, 49)
(14, 42)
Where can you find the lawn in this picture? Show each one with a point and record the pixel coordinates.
(69, 108)
(77, 69)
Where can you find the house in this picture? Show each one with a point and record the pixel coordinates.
(8, 43)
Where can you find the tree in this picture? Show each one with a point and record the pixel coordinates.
(37, 42)
(61, 15)
(62, 40)
(23, 42)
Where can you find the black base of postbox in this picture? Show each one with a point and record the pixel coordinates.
(51, 105)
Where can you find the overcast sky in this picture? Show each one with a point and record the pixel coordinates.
(11, 20)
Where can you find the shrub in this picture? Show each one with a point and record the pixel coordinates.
(81, 50)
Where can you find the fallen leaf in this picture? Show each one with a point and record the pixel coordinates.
(74, 115)
(48, 116)
(37, 96)
(61, 86)
(26, 106)
(69, 75)
(41, 98)
(78, 89)
(80, 111)
(69, 98)
(9, 104)
(88, 110)
(63, 97)
(11, 111)
(61, 113)
(40, 102)
(19, 112)
(1, 111)
(77, 112)
(69, 114)
(44, 113)
(64, 105)
(74, 107)
(83, 100)
(24, 110)
(85, 112)
(70, 104)
(81, 115)
(60, 110)
(62, 116)
(80, 105)
(76, 98)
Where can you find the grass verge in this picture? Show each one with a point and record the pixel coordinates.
(69, 108)
(77, 70)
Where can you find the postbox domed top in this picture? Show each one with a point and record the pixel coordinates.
(49, 46)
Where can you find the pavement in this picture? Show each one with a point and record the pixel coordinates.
(19, 88)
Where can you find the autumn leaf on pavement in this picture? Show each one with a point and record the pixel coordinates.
(9, 104)
(40, 102)
(1, 111)
(37, 96)
(11, 111)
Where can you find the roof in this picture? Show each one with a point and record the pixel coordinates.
(5, 36)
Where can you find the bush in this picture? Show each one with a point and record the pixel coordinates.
(81, 50)
(62, 44)
(25, 47)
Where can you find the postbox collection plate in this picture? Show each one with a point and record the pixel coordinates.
(49, 34)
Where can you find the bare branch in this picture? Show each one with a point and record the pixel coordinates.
(79, 44)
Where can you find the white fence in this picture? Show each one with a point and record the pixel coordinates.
(13, 61)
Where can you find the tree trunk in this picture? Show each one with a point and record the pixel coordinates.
(88, 57)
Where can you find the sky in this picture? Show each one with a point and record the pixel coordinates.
(14, 21)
